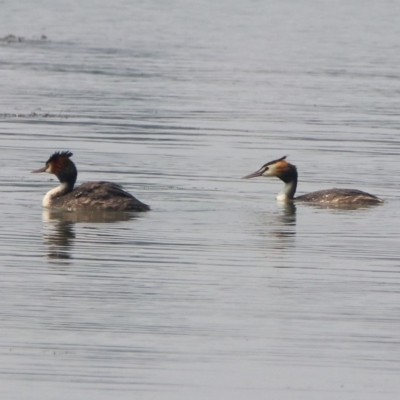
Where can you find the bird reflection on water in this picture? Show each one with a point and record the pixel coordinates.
(285, 225)
(277, 229)
(61, 234)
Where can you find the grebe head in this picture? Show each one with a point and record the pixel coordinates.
(61, 166)
(283, 170)
(279, 168)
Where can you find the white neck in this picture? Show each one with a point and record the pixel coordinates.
(287, 194)
(56, 192)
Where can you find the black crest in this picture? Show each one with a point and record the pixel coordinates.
(59, 154)
(274, 161)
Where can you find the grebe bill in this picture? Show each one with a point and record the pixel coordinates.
(106, 196)
(287, 173)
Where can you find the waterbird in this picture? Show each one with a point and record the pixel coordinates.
(287, 173)
(94, 196)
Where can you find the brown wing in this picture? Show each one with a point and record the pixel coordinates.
(340, 196)
(100, 196)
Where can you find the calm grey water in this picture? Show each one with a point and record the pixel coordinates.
(219, 292)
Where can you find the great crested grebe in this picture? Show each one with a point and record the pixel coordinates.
(287, 173)
(106, 196)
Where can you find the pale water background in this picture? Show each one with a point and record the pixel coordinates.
(218, 293)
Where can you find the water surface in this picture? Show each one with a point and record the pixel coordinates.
(218, 292)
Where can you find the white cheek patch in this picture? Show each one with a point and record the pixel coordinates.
(49, 169)
(268, 172)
